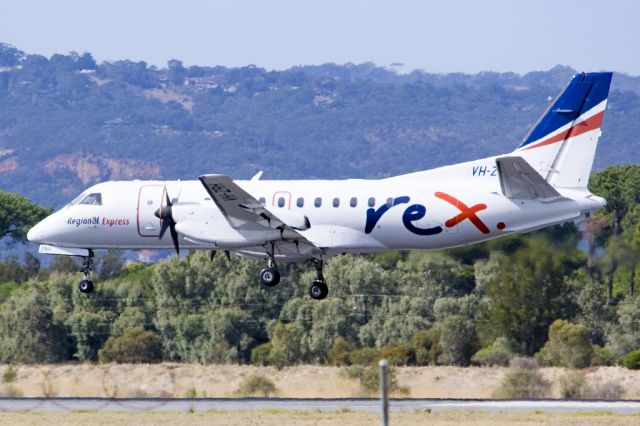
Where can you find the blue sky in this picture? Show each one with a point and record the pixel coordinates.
(436, 36)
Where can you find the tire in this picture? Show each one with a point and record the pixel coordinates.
(269, 277)
(85, 286)
(318, 290)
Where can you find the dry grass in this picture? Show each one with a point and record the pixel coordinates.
(344, 418)
(176, 380)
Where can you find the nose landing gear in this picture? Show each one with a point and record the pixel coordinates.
(86, 285)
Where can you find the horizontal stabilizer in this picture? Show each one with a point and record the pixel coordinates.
(519, 180)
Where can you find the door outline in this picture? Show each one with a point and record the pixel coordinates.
(287, 199)
(140, 199)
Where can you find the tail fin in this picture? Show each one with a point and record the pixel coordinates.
(562, 144)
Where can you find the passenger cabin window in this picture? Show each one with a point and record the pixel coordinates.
(371, 202)
(317, 202)
(262, 200)
(336, 202)
(389, 202)
(94, 199)
(353, 202)
(300, 202)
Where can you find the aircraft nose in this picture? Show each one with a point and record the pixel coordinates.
(36, 233)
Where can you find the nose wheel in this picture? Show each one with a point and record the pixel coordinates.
(86, 285)
(318, 289)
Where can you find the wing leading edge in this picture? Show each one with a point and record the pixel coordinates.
(243, 211)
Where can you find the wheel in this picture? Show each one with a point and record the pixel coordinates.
(318, 290)
(269, 276)
(85, 286)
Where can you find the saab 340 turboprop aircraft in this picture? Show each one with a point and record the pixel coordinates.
(542, 183)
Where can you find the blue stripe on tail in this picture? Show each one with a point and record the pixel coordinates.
(583, 93)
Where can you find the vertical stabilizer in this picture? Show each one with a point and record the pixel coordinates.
(562, 144)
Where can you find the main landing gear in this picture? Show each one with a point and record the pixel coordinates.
(86, 285)
(318, 289)
(270, 276)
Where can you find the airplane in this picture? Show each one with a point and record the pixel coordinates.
(542, 183)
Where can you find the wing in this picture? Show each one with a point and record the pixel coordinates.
(520, 181)
(243, 211)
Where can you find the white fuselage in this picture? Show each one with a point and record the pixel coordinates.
(445, 207)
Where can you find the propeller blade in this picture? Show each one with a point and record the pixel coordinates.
(174, 236)
(163, 228)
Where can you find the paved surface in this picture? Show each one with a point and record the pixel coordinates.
(361, 404)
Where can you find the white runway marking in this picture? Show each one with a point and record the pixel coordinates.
(363, 404)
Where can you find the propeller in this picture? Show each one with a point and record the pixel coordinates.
(164, 214)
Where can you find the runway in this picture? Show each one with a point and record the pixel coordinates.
(134, 405)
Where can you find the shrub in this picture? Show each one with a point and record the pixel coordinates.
(573, 385)
(523, 383)
(569, 345)
(363, 356)
(457, 340)
(260, 354)
(610, 389)
(602, 356)
(340, 351)
(395, 354)
(491, 356)
(632, 360)
(136, 345)
(369, 379)
(426, 347)
(11, 391)
(524, 362)
(10, 374)
(256, 385)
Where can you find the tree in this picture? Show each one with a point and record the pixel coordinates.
(136, 345)
(31, 265)
(18, 215)
(457, 340)
(11, 270)
(91, 330)
(532, 289)
(569, 345)
(64, 264)
(176, 72)
(112, 264)
(29, 332)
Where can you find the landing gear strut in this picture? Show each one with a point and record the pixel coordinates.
(318, 289)
(270, 276)
(86, 285)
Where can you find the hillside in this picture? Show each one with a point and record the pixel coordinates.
(67, 122)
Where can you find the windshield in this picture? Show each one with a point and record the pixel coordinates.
(93, 199)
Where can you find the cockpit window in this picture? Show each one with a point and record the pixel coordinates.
(94, 199)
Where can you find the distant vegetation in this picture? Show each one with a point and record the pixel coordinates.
(566, 295)
(67, 122)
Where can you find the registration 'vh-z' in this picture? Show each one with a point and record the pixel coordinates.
(542, 183)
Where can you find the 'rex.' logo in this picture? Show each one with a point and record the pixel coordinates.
(465, 212)
(416, 212)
